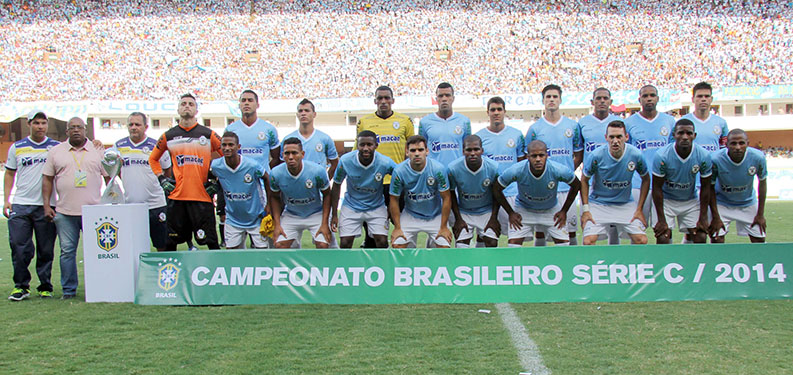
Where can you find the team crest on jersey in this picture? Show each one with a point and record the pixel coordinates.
(318, 147)
(309, 184)
(664, 131)
(752, 171)
(261, 136)
(568, 133)
(378, 176)
(510, 143)
(396, 125)
(430, 181)
(162, 217)
(107, 234)
(716, 129)
(551, 185)
(695, 169)
(168, 274)
(486, 182)
(458, 130)
(202, 140)
(200, 234)
(146, 149)
(631, 166)
(248, 178)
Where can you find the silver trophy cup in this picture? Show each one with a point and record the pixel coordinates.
(112, 164)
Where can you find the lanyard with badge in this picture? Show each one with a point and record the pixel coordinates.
(80, 176)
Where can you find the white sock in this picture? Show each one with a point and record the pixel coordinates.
(573, 241)
(540, 241)
(513, 245)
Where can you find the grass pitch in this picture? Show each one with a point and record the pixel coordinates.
(712, 337)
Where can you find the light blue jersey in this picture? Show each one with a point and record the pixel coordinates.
(245, 198)
(256, 140)
(609, 178)
(563, 139)
(364, 183)
(422, 190)
(474, 188)
(735, 181)
(303, 193)
(505, 148)
(711, 133)
(537, 193)
(445, 137)
(593, 131)
(648, 136)
(319, 147)
(681, 175)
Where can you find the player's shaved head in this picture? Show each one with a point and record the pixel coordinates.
(537, 145)
(737, 133)
(473, 138)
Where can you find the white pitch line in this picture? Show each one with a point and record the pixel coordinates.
(528, 354)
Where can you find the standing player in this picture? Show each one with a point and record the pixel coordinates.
(423, 183)
(506, 146)
(648, 130)
(611, 170)
(565, 146)
(140, 183)
(711, 129)
(258, 138)
(240, 178)
(191, 147)
(471, 178)
(675, 170)
(393, 130)
(734, 170)
(445, 130)
(24, 165)
(593, 130)
(364, 169)
(538, 208)
(318, 146)
(306, 189)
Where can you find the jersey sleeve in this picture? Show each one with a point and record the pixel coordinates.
(705, 165)
(442, 179)
(274, 187)
(452, 184)
(330, 149)
(396, 184)
(659, 166)
(340, 174)
(423, 129)
(507, 177)
(322, 180)
(158, 151)
(578, 139)
(215, 142)
(11, 161)
(165, 160)
(409, 130)
(762, 171)
(564, 174)
(467, 128)
(641, 164)
(588, 168)
(724, 131)
(272, 138)
(714, 170)
(520, 148)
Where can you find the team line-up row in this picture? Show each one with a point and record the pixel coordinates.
(495, 182)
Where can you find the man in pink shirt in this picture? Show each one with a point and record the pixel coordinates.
(75, 170)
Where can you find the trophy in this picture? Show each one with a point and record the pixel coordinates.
(112, 164)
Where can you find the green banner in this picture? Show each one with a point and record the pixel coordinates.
(545, 274)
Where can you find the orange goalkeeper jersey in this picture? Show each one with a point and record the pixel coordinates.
(191, 154)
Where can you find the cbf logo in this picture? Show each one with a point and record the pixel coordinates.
(631, 166)
(168, 274)
(309, 184)
(510, 143)
(752, 171)
(551, 185)
(695, 169)
(486, 182)
(458, 130)
(378, 176)
(202, 140)
(261, 136)
(396, 125)
(430, 181)
(568, 133)
(248, 178)
(106, 233)
(318, 147)
(716, 129)
(664, 131)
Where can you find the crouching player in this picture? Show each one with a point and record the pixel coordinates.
(611, 170)
(427, 200)
(675, 170)
(306, 189)
(471, 177)
(734, 170)
(240, 178)
(537, 208)
(364, 169)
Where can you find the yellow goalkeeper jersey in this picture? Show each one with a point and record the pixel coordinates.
(392, 135)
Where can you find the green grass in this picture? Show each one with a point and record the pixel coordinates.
(712, 337)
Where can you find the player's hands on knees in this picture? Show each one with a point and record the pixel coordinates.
(397, 233)
(702, 224)
(458, 227)
(759, 220)
(715, 226)
(585, 217)
(560, 219)
(334, 224)
(277, 232)
(324, 230)
(515, 220)
(493, 224)
(640, 216)
(445, 233)
(661, 228)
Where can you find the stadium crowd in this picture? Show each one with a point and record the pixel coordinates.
(341, 48)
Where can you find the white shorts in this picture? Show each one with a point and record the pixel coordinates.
(649, 208)
(476, 223)
(351, 221)
(538, 221)
(619, 215)
(572, 212)
(743, 217)
(412, 226)
(686, 213)
(235, 236)
(503, 217)
(294, 226)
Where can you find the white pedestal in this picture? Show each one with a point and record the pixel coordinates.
(114, 236)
